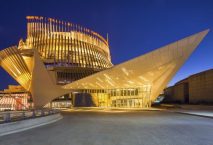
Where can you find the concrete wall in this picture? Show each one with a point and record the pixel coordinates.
(175, 94)
(196, 89)
(201, 87)
(169, 95)
(13, 127)
(179, 93)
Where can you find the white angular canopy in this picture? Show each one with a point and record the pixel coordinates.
(155, 68)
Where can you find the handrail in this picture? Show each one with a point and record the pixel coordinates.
(11, 116)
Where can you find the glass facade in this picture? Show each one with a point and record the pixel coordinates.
(109, 98)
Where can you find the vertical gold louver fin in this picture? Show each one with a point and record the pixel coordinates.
(13, 62)
(51, 37)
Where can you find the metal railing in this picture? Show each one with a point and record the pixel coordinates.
(11, 116)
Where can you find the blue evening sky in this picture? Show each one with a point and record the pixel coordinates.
(135, 27)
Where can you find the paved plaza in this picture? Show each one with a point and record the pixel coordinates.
(118, 128)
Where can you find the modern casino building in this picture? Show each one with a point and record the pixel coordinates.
(59, 58)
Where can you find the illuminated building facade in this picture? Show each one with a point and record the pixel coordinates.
(61, 58)
(15, 98)
(69, 50)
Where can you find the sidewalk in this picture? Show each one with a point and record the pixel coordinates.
(197, 110)
(111, 109)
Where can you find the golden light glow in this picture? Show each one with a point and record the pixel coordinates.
(67, 44)
(56, 53)
(13, 63)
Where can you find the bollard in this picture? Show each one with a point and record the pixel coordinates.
(7, 117)
(23, 114)
(33, 113)
(42, 112)
(54, 111)
(50, 112)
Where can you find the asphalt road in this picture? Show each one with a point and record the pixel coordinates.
(119, 128)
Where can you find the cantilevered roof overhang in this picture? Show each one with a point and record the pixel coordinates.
(155, 68)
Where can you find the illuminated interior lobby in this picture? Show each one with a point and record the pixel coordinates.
(59, 59)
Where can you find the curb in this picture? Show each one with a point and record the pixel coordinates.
(185, 113)
(110, 110)
(17, 123)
